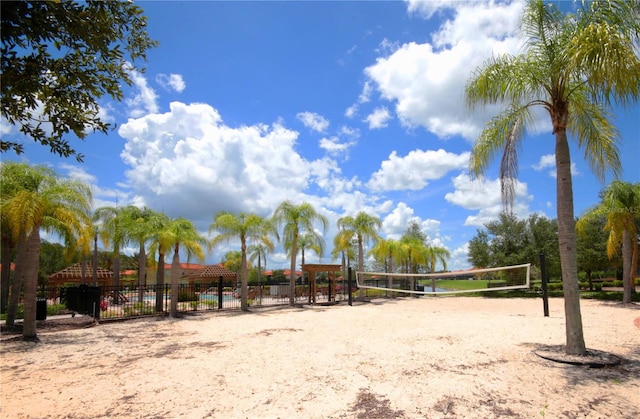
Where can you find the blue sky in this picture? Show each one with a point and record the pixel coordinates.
(351, 106)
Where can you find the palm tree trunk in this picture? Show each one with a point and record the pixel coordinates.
(175, 266)
(627, 271)
(292, 277)
(142, 272)
(244, 306)
(95, 260)
(360, 263)
(259, 280)
(30, 275)
(567, 243)
(5, 273)
(17, 282)
(160, 283)
(116, 276)
(390, 278)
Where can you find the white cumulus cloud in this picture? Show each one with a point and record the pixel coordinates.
(378, 118)
(313, 121)
(485, 197)
(171, 82)
(145, 100)
(426, 81)
(413, 171)
(188, 162)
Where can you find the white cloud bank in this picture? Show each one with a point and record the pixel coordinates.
(187, 161)
(426, 81)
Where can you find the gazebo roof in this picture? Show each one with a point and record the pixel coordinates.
(321, 267)
(75, 272)
(212, 271)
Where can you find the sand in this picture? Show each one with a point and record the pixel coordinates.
(443, 357)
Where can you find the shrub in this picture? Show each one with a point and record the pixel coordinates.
(554, 286)
(187, 296)
(55, 309)
(137, 309)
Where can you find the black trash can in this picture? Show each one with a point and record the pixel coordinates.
(41, 310)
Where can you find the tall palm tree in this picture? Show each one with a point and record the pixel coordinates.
(161, 242)
(295, 220)
(343, 247)
(52, 204)
(139, 226)
(310, 241)
(12, 180)
(112, 232)
(621, 207)
(573, 66)
(259, 251)
(366, 228)
(183, 236)
(246, 228)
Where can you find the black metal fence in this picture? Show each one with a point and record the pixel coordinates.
(113, 303)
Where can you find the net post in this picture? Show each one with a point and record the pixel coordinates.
(220, 293)
(349, 287)
(545, 292)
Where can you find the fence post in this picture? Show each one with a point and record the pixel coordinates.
(220, 293)
(166, 296)
(545, 291)
(349, 287)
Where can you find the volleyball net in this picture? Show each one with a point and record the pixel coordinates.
(392, 284)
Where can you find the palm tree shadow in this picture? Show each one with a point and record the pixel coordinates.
(598, 366)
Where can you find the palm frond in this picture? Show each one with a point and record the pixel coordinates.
(598, 138)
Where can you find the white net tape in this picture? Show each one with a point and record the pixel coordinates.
(457, 282)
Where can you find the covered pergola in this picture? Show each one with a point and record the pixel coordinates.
(74, 275)
(330, 269)
(210, 273)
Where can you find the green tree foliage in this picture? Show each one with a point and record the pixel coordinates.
(53, 258)
(620, 206)
(592, 246)
(574, 66)
(59, 58)
(511, 241)
(413, 230)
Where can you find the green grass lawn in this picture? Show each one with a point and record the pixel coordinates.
(461, 284)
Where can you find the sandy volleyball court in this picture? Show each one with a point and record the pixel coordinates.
(444, 357)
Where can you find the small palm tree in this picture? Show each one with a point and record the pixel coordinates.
(411, 253)
(573, 66)
(296, 219)
(41, 200)
(437, 254)
(246, 228)
(621, 207)
(259, 251)
(385, 250)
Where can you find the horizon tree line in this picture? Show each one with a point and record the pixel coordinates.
(35, 198)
